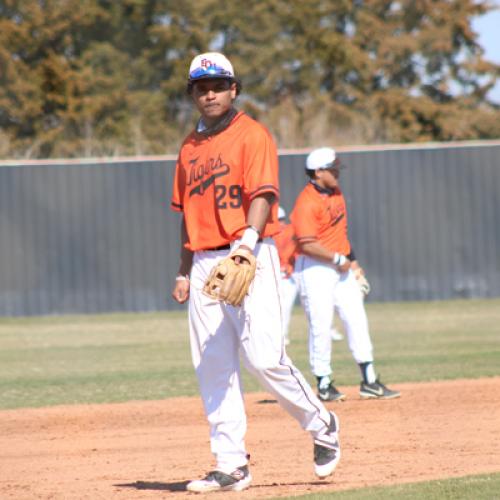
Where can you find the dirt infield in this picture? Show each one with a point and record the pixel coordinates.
(150, 449)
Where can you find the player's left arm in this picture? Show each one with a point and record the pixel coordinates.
(257, 216)
(260, 180)
(260, 208)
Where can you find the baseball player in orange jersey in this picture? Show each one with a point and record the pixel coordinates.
(327, 270)
(287, 251)
(226, 186)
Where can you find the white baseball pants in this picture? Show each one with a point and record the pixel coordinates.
(219, 333)
(322, 288)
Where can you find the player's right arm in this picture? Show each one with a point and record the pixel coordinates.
(180, 293)
(314, 249)
(306, 226)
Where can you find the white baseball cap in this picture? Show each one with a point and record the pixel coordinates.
(322, 158)
(210, 65)
(281, 213)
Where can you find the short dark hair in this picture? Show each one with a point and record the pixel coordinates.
(310, 173)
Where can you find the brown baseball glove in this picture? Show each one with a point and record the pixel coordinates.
(230, 279)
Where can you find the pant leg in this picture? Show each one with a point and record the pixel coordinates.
(214, 349)
(263, 351)
(350, 306)
(317, 288)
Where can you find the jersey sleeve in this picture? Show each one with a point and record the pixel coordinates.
(304, 220)
(176, 203)
(260, 174)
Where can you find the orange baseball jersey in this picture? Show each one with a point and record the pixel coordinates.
(216, 178)
(318, 216)
(287, 248)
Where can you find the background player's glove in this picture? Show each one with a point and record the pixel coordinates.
(362, 281)
(229, 281)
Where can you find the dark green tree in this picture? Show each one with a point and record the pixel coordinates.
(99, 77)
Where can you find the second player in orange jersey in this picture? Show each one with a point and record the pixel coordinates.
(326, 270)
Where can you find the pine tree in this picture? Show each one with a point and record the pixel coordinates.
(98, 77)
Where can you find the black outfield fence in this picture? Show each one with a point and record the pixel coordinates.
(95, 236)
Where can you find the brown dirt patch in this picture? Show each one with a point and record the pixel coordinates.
(150, 449)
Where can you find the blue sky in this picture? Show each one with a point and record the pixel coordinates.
(488, 28)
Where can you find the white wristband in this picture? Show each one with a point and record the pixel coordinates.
(250, 237)
(181, 277)
(339, 259)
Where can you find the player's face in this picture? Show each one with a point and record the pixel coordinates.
(328, 177)
(213, 98)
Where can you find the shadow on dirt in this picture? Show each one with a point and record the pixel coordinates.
(147, 485)
(181, 485)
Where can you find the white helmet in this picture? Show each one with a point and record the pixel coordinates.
(322, 158)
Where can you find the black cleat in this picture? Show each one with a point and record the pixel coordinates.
(330, 393)
(377, 390)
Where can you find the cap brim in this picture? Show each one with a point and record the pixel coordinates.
(210, 77)
(212, 72)
(337, 164)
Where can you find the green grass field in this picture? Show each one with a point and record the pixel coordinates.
(120, 357)
(481, 487)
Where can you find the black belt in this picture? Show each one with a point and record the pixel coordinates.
(216, 249)
(225, 247)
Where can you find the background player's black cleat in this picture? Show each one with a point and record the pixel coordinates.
(330, 393)
(377, 390)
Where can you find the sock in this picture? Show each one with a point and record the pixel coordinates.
(323, 382)
(368, 372)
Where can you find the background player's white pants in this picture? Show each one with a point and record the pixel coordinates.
(218, 332)
(289, 292)
(322, 288)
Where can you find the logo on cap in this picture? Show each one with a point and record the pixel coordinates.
(206, 63)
